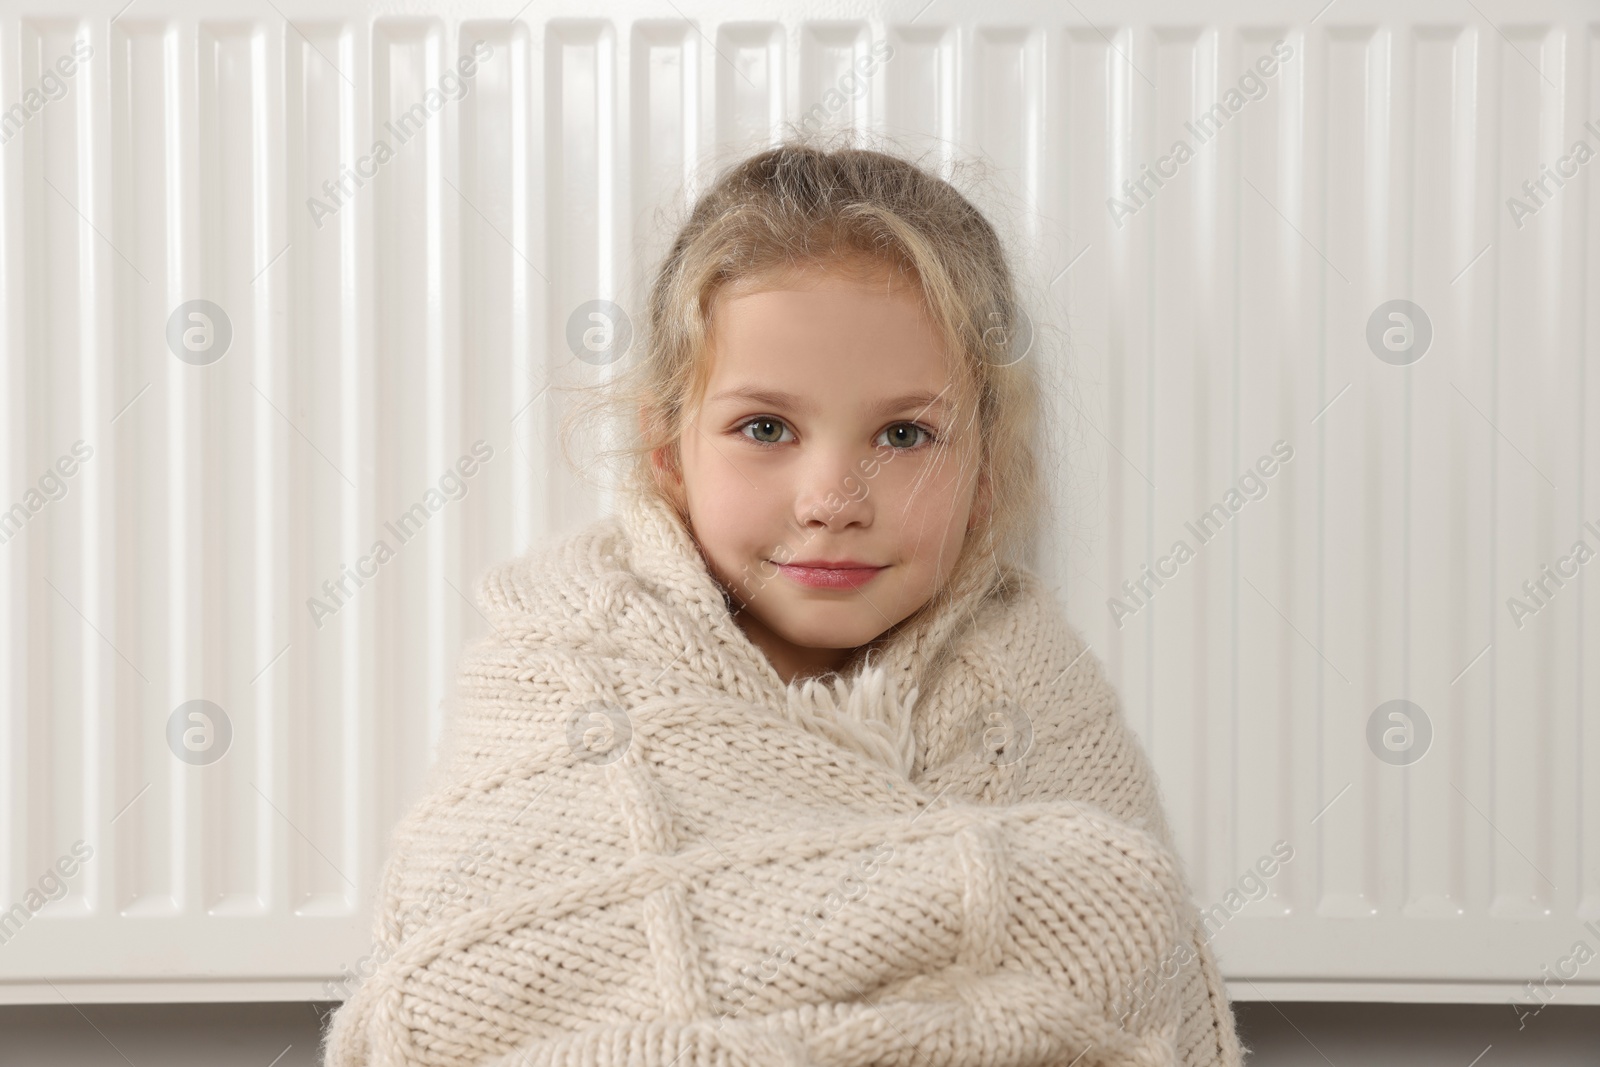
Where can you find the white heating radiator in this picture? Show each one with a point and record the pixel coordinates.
(205, 740)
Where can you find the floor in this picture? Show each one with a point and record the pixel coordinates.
(1288, 1034)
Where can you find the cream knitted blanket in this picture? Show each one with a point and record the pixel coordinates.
(639, 847)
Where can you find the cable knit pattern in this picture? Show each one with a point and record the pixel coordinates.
(639, 847)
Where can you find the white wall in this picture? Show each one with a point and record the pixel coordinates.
(376, 337)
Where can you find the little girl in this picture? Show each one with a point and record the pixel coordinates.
(792, 760)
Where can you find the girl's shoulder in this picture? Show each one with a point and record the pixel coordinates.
(1022, 655)
(1023, 622)
(553, 572)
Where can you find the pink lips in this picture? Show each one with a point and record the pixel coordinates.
(830, 577)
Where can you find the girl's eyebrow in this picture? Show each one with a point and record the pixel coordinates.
(779, 399)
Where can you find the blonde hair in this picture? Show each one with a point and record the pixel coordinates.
(800, 206)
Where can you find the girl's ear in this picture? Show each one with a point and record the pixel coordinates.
(661, 459)
(666, 470)
(668, 478)
(981, 501)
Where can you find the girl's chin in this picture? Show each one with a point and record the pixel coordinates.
(832, 631)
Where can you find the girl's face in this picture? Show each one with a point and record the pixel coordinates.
(826, 433)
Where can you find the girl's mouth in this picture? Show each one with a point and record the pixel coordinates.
(830, 577)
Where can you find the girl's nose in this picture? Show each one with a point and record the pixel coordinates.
(833, 493)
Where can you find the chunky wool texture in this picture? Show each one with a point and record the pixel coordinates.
(640, 847)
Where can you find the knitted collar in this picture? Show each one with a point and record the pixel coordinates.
(870, 710)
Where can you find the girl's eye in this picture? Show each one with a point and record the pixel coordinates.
(769, 432)
(927, 435)
(764, 425)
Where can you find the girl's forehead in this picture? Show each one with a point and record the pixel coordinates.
(845, 270)
(796, 305)
(797, 335)
(807, 305)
